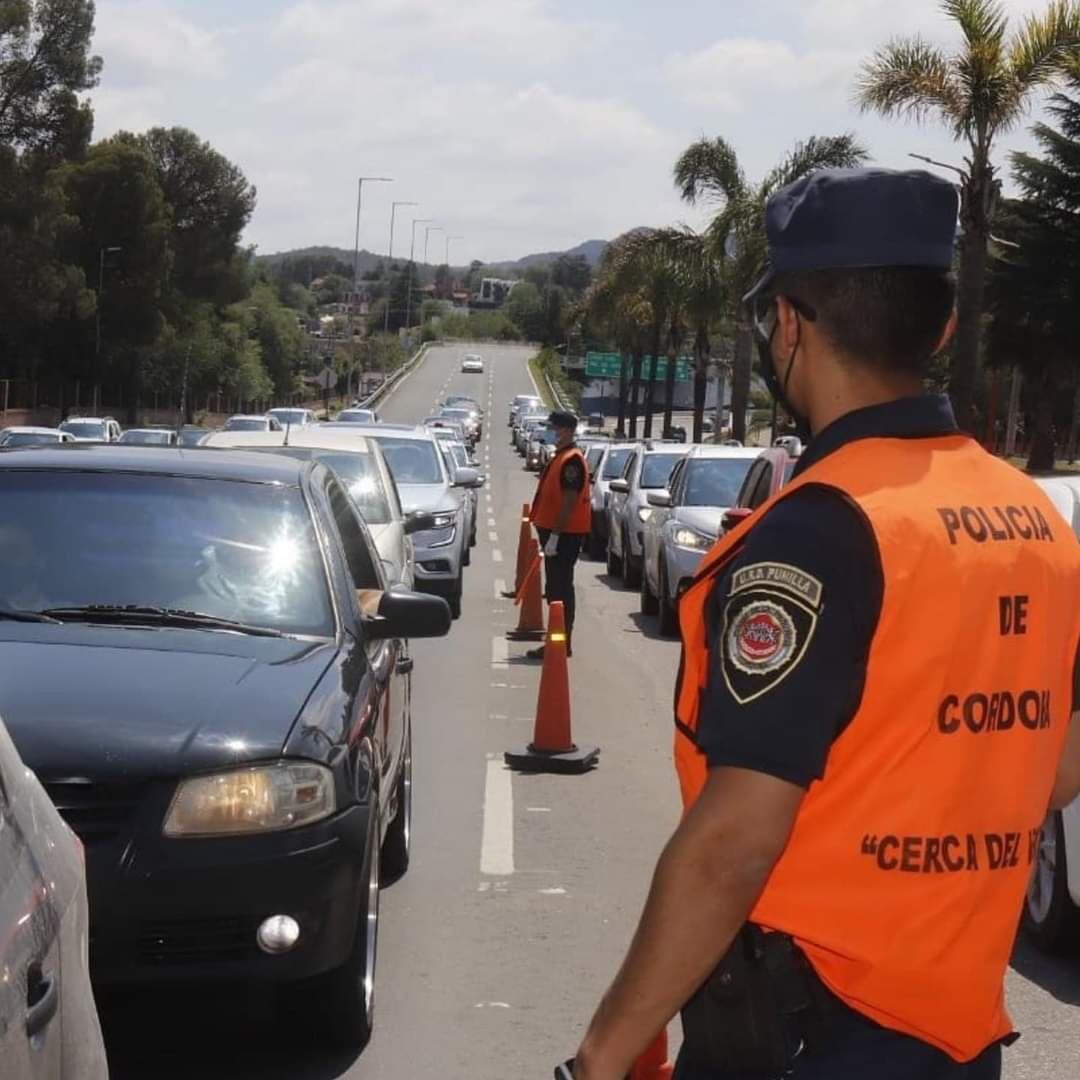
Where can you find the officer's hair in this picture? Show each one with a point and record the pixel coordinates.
(891, 318)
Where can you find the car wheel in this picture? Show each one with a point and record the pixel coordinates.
(454, 600)
(614, 563)
(669, 622)
(349, 996)
(466, 556)
(630, 572)
(648, 600)
(395, 851)
(1049, 913)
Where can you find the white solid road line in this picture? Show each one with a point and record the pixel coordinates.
(500, 652)
(497, 843)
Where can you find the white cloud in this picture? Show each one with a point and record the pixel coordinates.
(149, 40)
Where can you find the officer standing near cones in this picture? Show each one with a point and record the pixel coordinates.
(877, 703)
(561, 512)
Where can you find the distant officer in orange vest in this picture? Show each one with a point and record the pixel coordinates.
(562, 515)
(877, 703)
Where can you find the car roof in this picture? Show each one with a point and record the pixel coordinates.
(209, 464)
(704, 450)
(396, 431)
(23, 430)
(669, 448)
(307, 437)
(81, 419)
(288, 408)
(247, 416)
(147, 430)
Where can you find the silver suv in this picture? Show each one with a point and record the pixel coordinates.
(99, 429)
(611, 465)
(647, 469)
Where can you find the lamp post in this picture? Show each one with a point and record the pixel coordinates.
(353, 300)
(412, 256)
(390, 259)
(97, 316)
(427, 236)
(450, 276)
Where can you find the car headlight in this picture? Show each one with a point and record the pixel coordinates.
(444, 521)
(644, 513)
(690, 538)
(261, 798)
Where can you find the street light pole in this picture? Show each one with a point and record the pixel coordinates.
(102, 252)
(412, 269)
(390, 259)
(354, 299)
(449, 274)
(427, 236)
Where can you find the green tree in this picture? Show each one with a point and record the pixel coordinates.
(709, 171)
(979, 92)
(525, 309)
(45, 63)
(572, 272)
(1034, 288)
(281, 342)
(444, 282)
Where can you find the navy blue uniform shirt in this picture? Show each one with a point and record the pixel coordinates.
(791, 620)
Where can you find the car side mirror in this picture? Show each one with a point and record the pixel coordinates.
(468, 478)
(658, 498)
(621, 486)
(418, 521)
(735, 516)
(406, 614)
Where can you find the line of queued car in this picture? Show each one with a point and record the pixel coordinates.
(206, 735)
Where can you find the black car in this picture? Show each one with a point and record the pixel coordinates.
(194, 667)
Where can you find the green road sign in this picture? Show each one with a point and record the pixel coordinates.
(609, 366)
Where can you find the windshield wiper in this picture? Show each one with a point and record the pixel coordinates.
(136, 614)
(12, 615)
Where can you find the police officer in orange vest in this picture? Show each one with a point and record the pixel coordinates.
(562, 515)
(877, 700)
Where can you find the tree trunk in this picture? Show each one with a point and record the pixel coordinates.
(635, 393)
(740, 380)
(669, 389)
(701, 377)
(1041, 451)
(1074, 428)
(620, 423)
(971, 287)
(650, 386)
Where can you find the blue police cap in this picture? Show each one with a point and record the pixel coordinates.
(855, 219)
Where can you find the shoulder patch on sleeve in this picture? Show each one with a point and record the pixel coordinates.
(779, 576)
(765, 636)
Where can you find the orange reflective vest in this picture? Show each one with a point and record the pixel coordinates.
(905, 873)
(547, 505)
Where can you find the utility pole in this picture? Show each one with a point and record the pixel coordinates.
(390, 260)
(353, 299)
(427, 236)
(411, 270)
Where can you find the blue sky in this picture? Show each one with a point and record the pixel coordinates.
(521, 125)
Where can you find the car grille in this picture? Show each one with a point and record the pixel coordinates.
(195, 941)
(96, 812)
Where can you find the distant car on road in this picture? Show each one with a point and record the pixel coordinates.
(472, 364)
(520, 402)
(647, 469)
(241, 422)
(685, 522)
(1052, 910)
(611, 465)
(357, 416)
(12, 437)
(541, 441)
(149, 437)
(292, 417)
(467, 418)
(50, 1028)
(94, 429)
(227, 717)
(190, 435)
(456, 455)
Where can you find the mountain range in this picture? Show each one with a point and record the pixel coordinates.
(592, 250)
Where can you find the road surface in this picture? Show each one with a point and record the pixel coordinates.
(523, 891)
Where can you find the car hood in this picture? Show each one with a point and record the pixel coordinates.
(113, 703)
(702, 519)
(434, 497)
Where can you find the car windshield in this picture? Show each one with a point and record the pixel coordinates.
(29, 438)
(192, 436)
(356, 416)
(715, 481)
(85, 429)
(356, 470)
(289, 416)
(656, 469)
(145, 438)
(460, 458)
(616, 462)
(457, 414)
(412, 461)
(547, 436)
(246, 423)
(593, 456)
(231, 550)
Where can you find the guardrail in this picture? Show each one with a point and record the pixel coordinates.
(388, 384)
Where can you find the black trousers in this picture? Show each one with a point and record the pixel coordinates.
(860, 1049)
(559, 573)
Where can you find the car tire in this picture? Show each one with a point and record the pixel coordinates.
(396, 845)
(466, 556)
(669, 619)
(454, 600)
(614, 563)
(347, 995)
(1050, 916)
(648, 600)
(631, 574)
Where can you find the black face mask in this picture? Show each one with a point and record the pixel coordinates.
(778, 389)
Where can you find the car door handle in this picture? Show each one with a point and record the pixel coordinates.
(404, 666)
(42, 1000)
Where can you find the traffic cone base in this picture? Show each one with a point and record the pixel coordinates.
(571, 761)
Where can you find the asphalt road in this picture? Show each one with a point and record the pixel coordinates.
(523, 891)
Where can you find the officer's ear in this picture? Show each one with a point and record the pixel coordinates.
(948, 332)
(788, 330)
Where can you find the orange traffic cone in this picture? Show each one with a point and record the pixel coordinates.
(653, 1064)
(553, 748)
(523, 560)
(530, 625)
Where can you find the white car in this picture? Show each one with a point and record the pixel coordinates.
(92, 429)
(12, 437)
(360, 465)
(473, 364)
(1052, 911)
(240, 422)
(357, 416)
(149, 437)
(292, 417)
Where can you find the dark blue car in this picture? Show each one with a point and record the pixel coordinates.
(201, 663)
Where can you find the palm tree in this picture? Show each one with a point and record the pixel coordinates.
(709, 171)
(979, 92)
